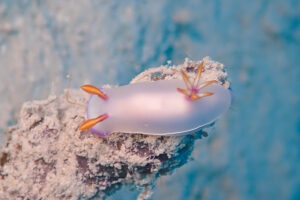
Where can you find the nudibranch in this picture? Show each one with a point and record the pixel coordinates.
(156, 108)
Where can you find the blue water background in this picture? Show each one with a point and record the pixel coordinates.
(254, 151)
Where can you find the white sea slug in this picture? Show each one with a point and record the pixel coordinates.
(156, 108)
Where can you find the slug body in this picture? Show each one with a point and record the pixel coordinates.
(156, 108)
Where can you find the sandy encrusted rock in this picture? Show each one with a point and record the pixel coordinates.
(47, 157)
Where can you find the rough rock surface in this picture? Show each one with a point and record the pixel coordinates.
(47, 157)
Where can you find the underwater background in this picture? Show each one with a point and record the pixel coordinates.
(254, 150)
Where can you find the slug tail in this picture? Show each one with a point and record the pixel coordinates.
(94, 90)
(92, 122)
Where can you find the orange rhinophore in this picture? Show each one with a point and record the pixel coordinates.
(92, 122)
(93, 90)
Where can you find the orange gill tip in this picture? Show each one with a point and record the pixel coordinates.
(197, 78)
(200, 95)
(194, 96)
(93, 90)
(186, 79)
(206, 83)
(183, 91)
(92, 122)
